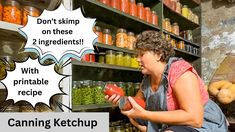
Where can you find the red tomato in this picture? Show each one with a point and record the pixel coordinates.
(111, 89)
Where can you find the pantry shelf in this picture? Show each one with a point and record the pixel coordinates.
(110, 47)
(186, 55)
(184, 23)
(180, 38)
(93, 9)
(91, 106)
(10, 38)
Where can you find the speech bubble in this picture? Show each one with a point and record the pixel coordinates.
(32, 82)
(59, 34)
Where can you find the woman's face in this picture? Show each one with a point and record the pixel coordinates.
(147, 61)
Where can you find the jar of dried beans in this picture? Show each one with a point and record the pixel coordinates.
(12, 12)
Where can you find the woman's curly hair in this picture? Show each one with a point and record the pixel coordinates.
(153, 41)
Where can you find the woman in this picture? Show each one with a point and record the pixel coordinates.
(176, 99)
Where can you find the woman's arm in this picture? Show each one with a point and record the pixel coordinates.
(187, 92)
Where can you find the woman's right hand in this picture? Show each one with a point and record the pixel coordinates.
(114, 99)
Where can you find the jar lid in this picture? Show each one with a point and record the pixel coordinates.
(140, 4)
(130, 34)
(175, 24)
(121, 30)
(147, 8)
(110, 52)
(102, 53)
(30, 8)
(154, 12)
(107, 31)
(185, 6)
(119, 52)
(97, 28)
(12, 3)
(167, 19)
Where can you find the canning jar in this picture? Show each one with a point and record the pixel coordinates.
(130, 40)
(29, 10)
(136, 87)
(124, 6)
(12, 12)
(111, 89)
(185, 11)
(168, 37)
(76, 93)
(173, 43)
(107, 2)
(86, 58)
(119, 58)
(134, 62)
(87, 92)
(92, 57)
(181, 45)
(115, 4)
(124, 103)
(178, 7)
(184, 34)
(122, 86)
(133, 8)
(167, 24)
(110, 57)
(130, 89)
(154, 18)
(107, 37)
(101, 58)
(119, 129)
(3, 68)
(1, 10)
(121, 38)
(173, 5)
(148, 14)
(98, 32)
(141, 11)
(189, 35)
(175, 28)
(127, 60)
(99, 96)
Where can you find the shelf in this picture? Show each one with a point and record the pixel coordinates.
(10, 38)
(184, 23)
(110, 47)
(186, 55)
(180, 38)
(91, 106)
(119, 19)
(107, 66)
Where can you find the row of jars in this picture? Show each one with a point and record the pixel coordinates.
(91, 92)
(13, 12)
(136, 10)
(123, 38)
(181, 45)
(184, 10)
(122, 126)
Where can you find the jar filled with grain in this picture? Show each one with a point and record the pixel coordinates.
(130, 40)
(107, 37)
(121, 38)
(98, 32)
(12, 12)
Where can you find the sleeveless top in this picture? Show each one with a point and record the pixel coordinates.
(163, 99)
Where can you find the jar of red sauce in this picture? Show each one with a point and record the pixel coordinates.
(133, 8)
(148, 14)
(124, 6)
(154, 18)
(111, 89)
(125, 104)
(141, 11)
(115, 4)
(107, 2)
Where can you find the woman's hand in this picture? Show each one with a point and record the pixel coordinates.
(140, 127)
(114, 99)
(136, 112)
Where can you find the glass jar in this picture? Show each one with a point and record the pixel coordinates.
(183, 34)
(178, 7)
(111, 89)
(189, 35)
(1, 8)
(136, 87)
(12, 12)
(121, 38)
(175, 28)
(181, 45)
(87, 92)
(76, 93)
(86, 58)
(130, 89)
(98, 32)
(99, 96)
(3, 71)
(115, 4)
(127, 60)
(119, 58)
(92, 57)
(185, 11)
(148, 14)
(130, 40)
(124, 103)
(107, 2)
(141, 11)
(168, 37)
(167, 24)
(154, 18)
(133, 8)
(124, 6)
(107, 37)
(119, 129)
(173, 43)
(101, 58)
(134, 62)
(110, 57)
(29, 10)
(173, 5)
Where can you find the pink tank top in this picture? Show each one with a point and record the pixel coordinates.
(176, 70)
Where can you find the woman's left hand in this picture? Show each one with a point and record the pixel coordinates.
(136, 112)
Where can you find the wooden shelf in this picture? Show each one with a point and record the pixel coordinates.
(11, 38)
(184, 23)
(91, 106)
(93, 8)
(110, 47)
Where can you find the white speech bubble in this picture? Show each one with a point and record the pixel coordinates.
(32, 82)
(59, 34)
